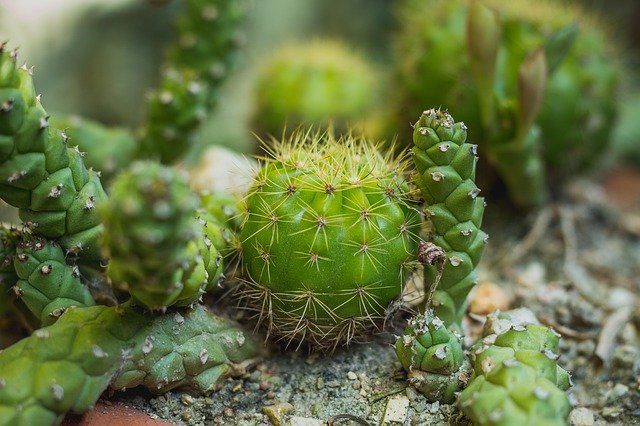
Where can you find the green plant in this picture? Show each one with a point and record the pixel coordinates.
(328, 237)
(66, 366)
(433, 357)
(158, 249)
(537, 85)
(318, 83)
(445, 173)
(516, 377)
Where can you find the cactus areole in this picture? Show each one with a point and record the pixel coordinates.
(328, 239)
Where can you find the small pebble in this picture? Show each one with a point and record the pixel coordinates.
(277, 411)
(304, 421)
(351, 375)
(320, 383)
(228, 412)
(396, 409)
(581, 416)
(264, 385)
(186, 400)
(488, 297)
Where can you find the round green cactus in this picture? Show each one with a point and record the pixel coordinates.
(445, 173)
(537, 85)
(327, 239)
(68, 365)
(158, 250)
(433, 357)
(314, 83)
(40, 174)
(48, 286)
(516, 378)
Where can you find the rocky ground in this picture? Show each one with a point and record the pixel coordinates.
(575, 265)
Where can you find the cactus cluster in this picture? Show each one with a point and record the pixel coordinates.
(537, 85)
(328, 238)
(516, 378)
(65, 367)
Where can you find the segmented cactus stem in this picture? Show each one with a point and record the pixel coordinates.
(445, 173)
(65, 367)
(209, 35)
(42, 176)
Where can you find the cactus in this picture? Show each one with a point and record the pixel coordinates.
(328, 236)
(66, 366)
(314, 83)
(106, 149)
(433, 357)
(159, 251)
(47, 285)
(516, 378)
(208, 36)
(8, 276)
(537, 84)
(445, 173)
(40, 175)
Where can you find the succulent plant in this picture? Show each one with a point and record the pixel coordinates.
(318, 83)
(106, 149)
(158, 250)
(47, 285)
(208, 37)
(327, 240)
(537, 84)
(516, 377)
(445, 173)
(65, 367)
(40, 174)
(433, 357)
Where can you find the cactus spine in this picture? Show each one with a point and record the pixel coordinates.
(66, 366)
(327, 239)
(40, 174)
(517, 380)
(445, 173)
(208, 37)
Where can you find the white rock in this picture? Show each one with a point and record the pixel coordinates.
(396, 410)
(224, 171)
(581, 417)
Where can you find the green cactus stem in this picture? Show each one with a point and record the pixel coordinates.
(445, 173)
(516, 380)
(47, 180)
(318, 83)
(158, 250)
(48, 286)
(106, 149)
(433, 358)
(328, 239)
(208, 37)
(65, 367)
(538, 85)
(8, 277)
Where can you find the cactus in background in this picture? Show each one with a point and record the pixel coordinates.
(208, 37)
(516, 380)
(537, 84)
(445, 173)
(47, 285)
(328, 236)
(315, 83)
(66, 366)
(159, 251)
(40, 175)
(433, 357)
(106, 149)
